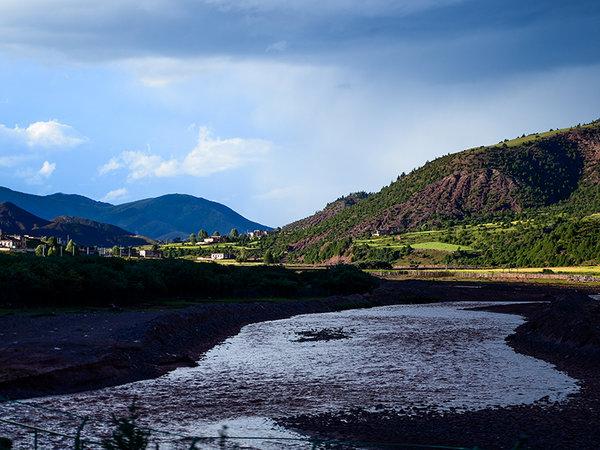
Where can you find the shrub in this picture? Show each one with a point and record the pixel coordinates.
(127, 434)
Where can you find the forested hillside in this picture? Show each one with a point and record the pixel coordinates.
(552, 172)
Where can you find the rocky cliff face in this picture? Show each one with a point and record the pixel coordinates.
(455, 196)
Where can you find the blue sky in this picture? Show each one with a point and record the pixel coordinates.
(275, 108)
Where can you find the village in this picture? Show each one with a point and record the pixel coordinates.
(59, 246)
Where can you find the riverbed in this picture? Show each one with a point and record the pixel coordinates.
(439, 356)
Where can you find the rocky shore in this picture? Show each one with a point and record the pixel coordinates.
(565, 332)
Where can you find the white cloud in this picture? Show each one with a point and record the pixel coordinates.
(49, 134)
(115, 195)
(47, 169)
(39, 176)
(210, 155)
(142, 165)
(110, 166)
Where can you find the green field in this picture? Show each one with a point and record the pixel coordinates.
(379, 242)
(422, 240)
(440, 246)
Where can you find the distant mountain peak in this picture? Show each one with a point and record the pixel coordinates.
(158, 217)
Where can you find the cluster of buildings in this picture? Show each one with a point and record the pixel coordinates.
(216, 239)
(27, 244)
(15, 243)
(257, 234)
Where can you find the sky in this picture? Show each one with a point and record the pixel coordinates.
(275, 108)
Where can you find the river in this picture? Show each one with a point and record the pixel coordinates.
(436, 355)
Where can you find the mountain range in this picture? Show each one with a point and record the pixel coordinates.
(552, 172)
(165, 217)
(15, 220)
(557, 171)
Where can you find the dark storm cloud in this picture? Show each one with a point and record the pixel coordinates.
(443, 38)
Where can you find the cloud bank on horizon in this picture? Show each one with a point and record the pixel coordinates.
(275, 108)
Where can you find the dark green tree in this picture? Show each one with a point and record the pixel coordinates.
(234, 233)
(242, 256)
(192, 238)
(202, 234)
(268, 257)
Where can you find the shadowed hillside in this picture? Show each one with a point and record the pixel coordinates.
(14, 220)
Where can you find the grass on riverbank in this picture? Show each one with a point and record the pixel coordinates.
(559, 276)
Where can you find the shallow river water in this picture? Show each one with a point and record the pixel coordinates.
(437, 355)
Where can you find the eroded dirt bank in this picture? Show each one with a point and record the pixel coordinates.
(565, 332)
(69, 352)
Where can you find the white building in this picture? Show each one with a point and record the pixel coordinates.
(213, 239)
(150, 254)
(257, 234)
(219, 256)
(12, 243)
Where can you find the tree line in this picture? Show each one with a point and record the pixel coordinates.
(78, 281)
